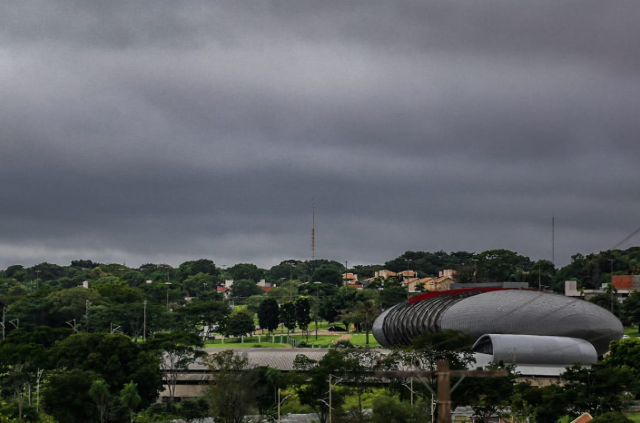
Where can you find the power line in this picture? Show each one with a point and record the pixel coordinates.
(626, 239)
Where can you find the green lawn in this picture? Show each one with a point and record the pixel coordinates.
(249, 345)
(257, 339)
(633, 417)
(632, 332)
(361, 339)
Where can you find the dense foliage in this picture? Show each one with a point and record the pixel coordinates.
(92, 341)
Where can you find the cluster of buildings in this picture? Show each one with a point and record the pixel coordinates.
(407, 278)
(624, 285)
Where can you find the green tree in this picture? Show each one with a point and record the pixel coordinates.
(190, 268)
(359, 365)
(612, 417)
(387, 409)
(245, 288)
(67, 398)
(115, 358)
(288, 316)
(246, 271)
(201, 316)
(606, 301)
(624, 353)
(311, 381)
(303, 314)
(129, 397)
(601, 388)
(233, 392)
(238, 324)
(631, 309)
(328, 274)
(268, 314)
(392, 295)
(269, 380)
(99, 393)
(487, 396)
(177, 351)
(369, 311)
(200, 283)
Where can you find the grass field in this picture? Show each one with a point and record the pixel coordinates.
(633, 417)
(632, 332)
(249, 345)
(361, 339)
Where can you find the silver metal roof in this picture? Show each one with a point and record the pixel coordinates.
(512, 311)
(532, 349)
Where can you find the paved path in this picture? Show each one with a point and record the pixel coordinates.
(342, 338)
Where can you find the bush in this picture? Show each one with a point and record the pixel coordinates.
(611, 417)
(387, 409)
(345, 343)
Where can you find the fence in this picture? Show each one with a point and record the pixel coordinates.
(275, 339)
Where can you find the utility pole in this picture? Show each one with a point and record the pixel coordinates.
(38, 390)
(313, 230)
(539, 275)
(444, 376)
(553, 240)
(144, 324)
(611, 288)
(280, 403)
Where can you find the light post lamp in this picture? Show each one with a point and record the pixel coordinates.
(280, 403)
(168, 285)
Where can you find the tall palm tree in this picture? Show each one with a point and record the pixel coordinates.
(129, 397)
(100, 394)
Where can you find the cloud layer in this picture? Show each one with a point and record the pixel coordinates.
(160, 131)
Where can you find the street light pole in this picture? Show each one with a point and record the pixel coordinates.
(611, 288)
(539, 275)
(280, 403)
(168, 284)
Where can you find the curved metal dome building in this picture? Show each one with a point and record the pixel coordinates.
(503, 311)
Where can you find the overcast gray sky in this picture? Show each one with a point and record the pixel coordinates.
(163, 131)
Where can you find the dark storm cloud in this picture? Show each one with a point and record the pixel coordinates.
(163, 131)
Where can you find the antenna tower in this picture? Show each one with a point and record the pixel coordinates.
(313, 230)
(553, 240)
